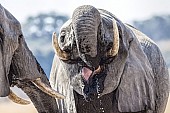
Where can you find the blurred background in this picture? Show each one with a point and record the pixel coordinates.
(40, 18)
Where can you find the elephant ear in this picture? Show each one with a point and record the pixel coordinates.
(130, 74)
(136, 88)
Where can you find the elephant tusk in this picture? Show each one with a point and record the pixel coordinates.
(12, 96)
(98, 70)
(61, 54)
(115, 47)
(46, 89)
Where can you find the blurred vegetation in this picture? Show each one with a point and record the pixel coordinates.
(157, 27)
(38, 32)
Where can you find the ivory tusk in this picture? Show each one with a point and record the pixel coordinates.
(46, 89)
(115, 48)
(12, 96)
(98, 70)
(116, 39)
(61, 54)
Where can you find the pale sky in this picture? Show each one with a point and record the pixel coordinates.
(125, 10)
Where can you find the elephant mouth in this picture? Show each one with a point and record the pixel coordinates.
(87, 73)
(93, 82)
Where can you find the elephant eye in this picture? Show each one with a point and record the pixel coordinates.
(62, 36)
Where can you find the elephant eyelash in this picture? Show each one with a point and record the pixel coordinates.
(63, 33)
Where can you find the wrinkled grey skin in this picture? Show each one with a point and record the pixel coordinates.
(18, 66)
(136, 78)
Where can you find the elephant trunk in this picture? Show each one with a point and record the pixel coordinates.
(4, 84)
(86, 20)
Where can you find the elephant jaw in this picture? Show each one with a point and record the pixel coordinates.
(93, 82)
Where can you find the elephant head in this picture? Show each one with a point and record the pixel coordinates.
(19, 67)
(97, 56)
(83, 48)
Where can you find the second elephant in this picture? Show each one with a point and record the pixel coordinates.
(104, 65)
(19, 67)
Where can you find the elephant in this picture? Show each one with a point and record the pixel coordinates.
(104, 65)
(19, 67)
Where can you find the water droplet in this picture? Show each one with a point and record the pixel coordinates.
(98, 95)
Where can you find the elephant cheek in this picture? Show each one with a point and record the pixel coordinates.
(4, 83)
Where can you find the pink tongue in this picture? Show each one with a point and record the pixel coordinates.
(86, 72)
